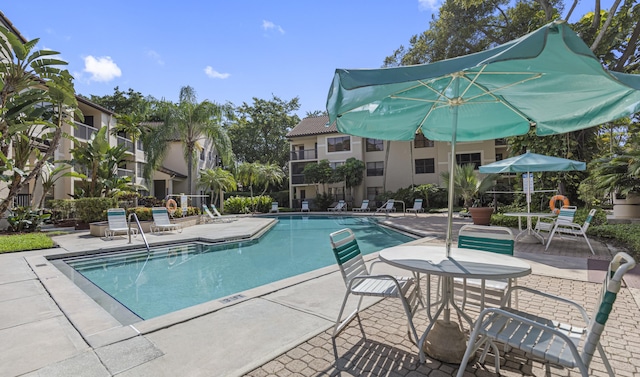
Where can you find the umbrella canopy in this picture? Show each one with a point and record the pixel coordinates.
(548, 79)
(530, 162)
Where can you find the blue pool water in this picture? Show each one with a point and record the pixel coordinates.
(175, 277)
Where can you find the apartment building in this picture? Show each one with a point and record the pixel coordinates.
(390, 165)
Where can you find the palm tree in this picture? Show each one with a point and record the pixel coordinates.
(270, 174)
(467, 184)
(188, 122)
(216, 180)
(249, 175)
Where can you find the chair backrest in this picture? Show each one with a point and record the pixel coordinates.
(347, 254)
(340, 204)
(215, 210)
(620, 264)
(274, 206)
(566, 214)
(389, 204)
(587, 222)
(305, 204)
(207, 211)
(117, 218)
(365, 204)
(160, 215)
(495, 239)
(417, 204)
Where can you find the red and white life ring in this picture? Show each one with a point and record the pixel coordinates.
(555, 199)
(172, 206)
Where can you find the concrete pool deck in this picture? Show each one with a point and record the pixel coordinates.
(48, 327)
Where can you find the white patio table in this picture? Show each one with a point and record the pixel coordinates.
(529, 235)
(444, 338)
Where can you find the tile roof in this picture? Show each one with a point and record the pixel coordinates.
(313, 126)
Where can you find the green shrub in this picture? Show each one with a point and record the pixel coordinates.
(142, 213)
(90, 210)
(239, 204)
(622, 235)
(322, 202)
(23, 219)
(62, 209)
(23, 242)
(498, 219)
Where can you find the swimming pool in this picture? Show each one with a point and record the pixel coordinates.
(174, 277)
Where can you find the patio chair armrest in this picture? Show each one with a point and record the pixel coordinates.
(381, 277)
(580, 308)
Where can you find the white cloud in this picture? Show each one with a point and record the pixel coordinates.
(428, 5)
(212, 73)
(268, 25)
(155, 56)
(102, 69)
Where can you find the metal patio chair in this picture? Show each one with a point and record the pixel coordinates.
(161, 221)
(117, 219)
(387, 207)
(360, 283)
(364, 207)
(417, 207)
(573, 229)
(566, 214)
(305, 206)
(567, 345)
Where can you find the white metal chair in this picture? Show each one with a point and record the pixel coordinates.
(417, 207)
(567, 345)
(495, 239)
(341, 206)
(117, 219)
(566, 214)
(305, 206)
(215, 215)
(571, 228)
(364, 207)
(387, 207)
(360, 283)
(161, 221)
(274, 208)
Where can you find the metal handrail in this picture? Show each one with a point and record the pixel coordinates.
(144, 238)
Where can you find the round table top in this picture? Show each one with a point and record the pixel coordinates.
(530, 214)
(466, 263)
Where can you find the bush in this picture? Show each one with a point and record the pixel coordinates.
(142, 213)
(239, 204)
(23, 242)
(323, 201)
(94, 209)
(61, 209)
(623, 235)
(23, 219)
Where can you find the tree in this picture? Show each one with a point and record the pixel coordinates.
(36, 99)
(467, 184)
(351, 173)
(217, 180)
(129, 102)
(318, 173)
(49, 175)
(270, 175)
(258, 133)
(189, 122)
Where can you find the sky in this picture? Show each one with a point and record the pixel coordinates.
(228, 51)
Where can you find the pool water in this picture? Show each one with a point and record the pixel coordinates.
(178, 276)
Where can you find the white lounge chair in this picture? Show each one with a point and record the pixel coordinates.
(387, 207)
(161, 221)
(417, 207)
(274, 208)
(117, 219)
(566, 214)
(571, 228)
(214, 216)
(364, 207)
(360, 283)
(341, 206)
(546, 338)
(305, 206)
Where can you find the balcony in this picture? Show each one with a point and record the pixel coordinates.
(306, 154)
(125, 173)
(83, 131)
(297, 179)
(126, 142)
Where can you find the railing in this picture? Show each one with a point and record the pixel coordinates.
(297, 179)
(83, 131)
(306, 154)
(22, 200)
(126, 142)
(144, 238)
(125, 173)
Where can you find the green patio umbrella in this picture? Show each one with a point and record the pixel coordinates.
(548, 80)
(532, 162)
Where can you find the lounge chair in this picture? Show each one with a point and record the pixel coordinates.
(360, 283)
(161, 221)
(387, 207)
(214, 216)
(274, 208)
(118, 223)
(566, 214)
(417, 207)
(571, 228)
(571, 345)
(341, 206)
(364, 207)
(305, 206)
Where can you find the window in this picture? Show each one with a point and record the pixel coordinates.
(334, 165)
(422, 142)
(375, 145)
(375, 169)
(469, 158)
(140, 168)
(425, 165)
(339, 144)
(202, 155)
(501, 141)
(498, 156)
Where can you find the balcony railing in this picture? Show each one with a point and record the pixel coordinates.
(297, 179)
(125, 173)
(307, 154)
(126, 142)
(83, 131)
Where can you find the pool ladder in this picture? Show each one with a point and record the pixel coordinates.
(144, 238)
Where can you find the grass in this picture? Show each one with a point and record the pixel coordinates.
(25, 241)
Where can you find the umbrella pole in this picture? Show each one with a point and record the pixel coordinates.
(454, 130)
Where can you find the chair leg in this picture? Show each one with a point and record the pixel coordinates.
(588, 243)
(550, 238)
(340, 325)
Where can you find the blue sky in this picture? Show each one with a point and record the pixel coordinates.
(227, 50)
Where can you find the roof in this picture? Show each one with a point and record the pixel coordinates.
(172, 173)
(313, 126)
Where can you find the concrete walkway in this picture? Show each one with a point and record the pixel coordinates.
(49, 327)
